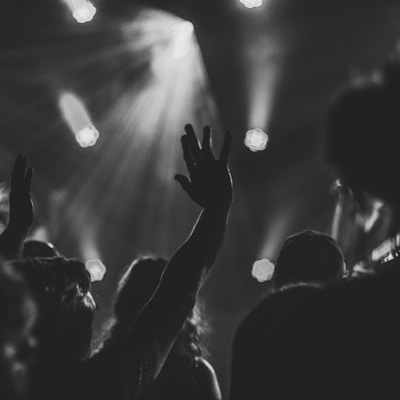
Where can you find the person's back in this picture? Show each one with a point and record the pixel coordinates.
(306, 260)
(251, 362)
(342, 342)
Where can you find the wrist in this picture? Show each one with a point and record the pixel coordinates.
(17, 227)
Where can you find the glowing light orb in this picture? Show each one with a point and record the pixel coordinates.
(87, 136)
(252, 3)
(256, 139)
(82, 10)
(96, 269)
(263, 270)
(78, 119)
(181, 35)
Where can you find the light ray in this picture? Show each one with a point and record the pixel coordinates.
(140, 149)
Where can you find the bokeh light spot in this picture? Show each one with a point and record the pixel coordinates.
(256, 139)
(96, 269)
(82, 10)
(87, 136)
(263, 270)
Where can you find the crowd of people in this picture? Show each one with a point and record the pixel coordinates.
(323, 333)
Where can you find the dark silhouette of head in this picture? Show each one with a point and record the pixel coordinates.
(39, 248)
(363, 127)
(61, 288)
(308, 256)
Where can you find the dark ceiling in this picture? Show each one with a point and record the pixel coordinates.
(286, 59)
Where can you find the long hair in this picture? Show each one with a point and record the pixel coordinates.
(136, 286)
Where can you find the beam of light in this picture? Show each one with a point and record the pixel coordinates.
(82, 10)
(77, 118)
(256, 140)
(263, 270)
(262, 60)
(252, 3)
(129, 181)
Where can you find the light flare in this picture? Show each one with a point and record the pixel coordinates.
(263, 270)
(182, 33)
(256, 140)
(96, 269)
(252, 3)
(82, 10)
(78, 119)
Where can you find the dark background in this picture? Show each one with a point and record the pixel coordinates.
(276, 67)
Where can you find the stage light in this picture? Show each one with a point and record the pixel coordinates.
(87, 136)
(182, 35)
(96, 269)
(252, 3)
(82, 10)
(77, 118)
(256, 140)
(263, 270)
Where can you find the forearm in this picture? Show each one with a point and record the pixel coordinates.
(12, 241)
(192, 262)
(160, 321)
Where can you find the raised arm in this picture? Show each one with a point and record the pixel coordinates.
(210, 186)
(21, 210)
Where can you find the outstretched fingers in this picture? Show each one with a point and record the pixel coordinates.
(193, 143)
(28, 179)
(207, 144)
(226, 148)
(18, 172)
(188, 155)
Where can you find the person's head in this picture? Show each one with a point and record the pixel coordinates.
(135, 289)
(17, 319)
(39, 248)
(363, 127)
(61, 288)
(308, 256)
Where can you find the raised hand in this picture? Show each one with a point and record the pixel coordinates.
(21, 207)
(209, 183)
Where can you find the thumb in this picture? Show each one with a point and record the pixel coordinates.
(184, 182)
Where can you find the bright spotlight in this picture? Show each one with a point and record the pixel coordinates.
(82, 10)
(87, 136)
(182, 35)
(263, 270)
(96, 269)
(76, 116)
(252, 3)
(256, 139)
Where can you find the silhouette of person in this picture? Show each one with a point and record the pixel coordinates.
(306, 260)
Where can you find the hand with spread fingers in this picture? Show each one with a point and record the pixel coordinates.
(209, 183)
(21, 207)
